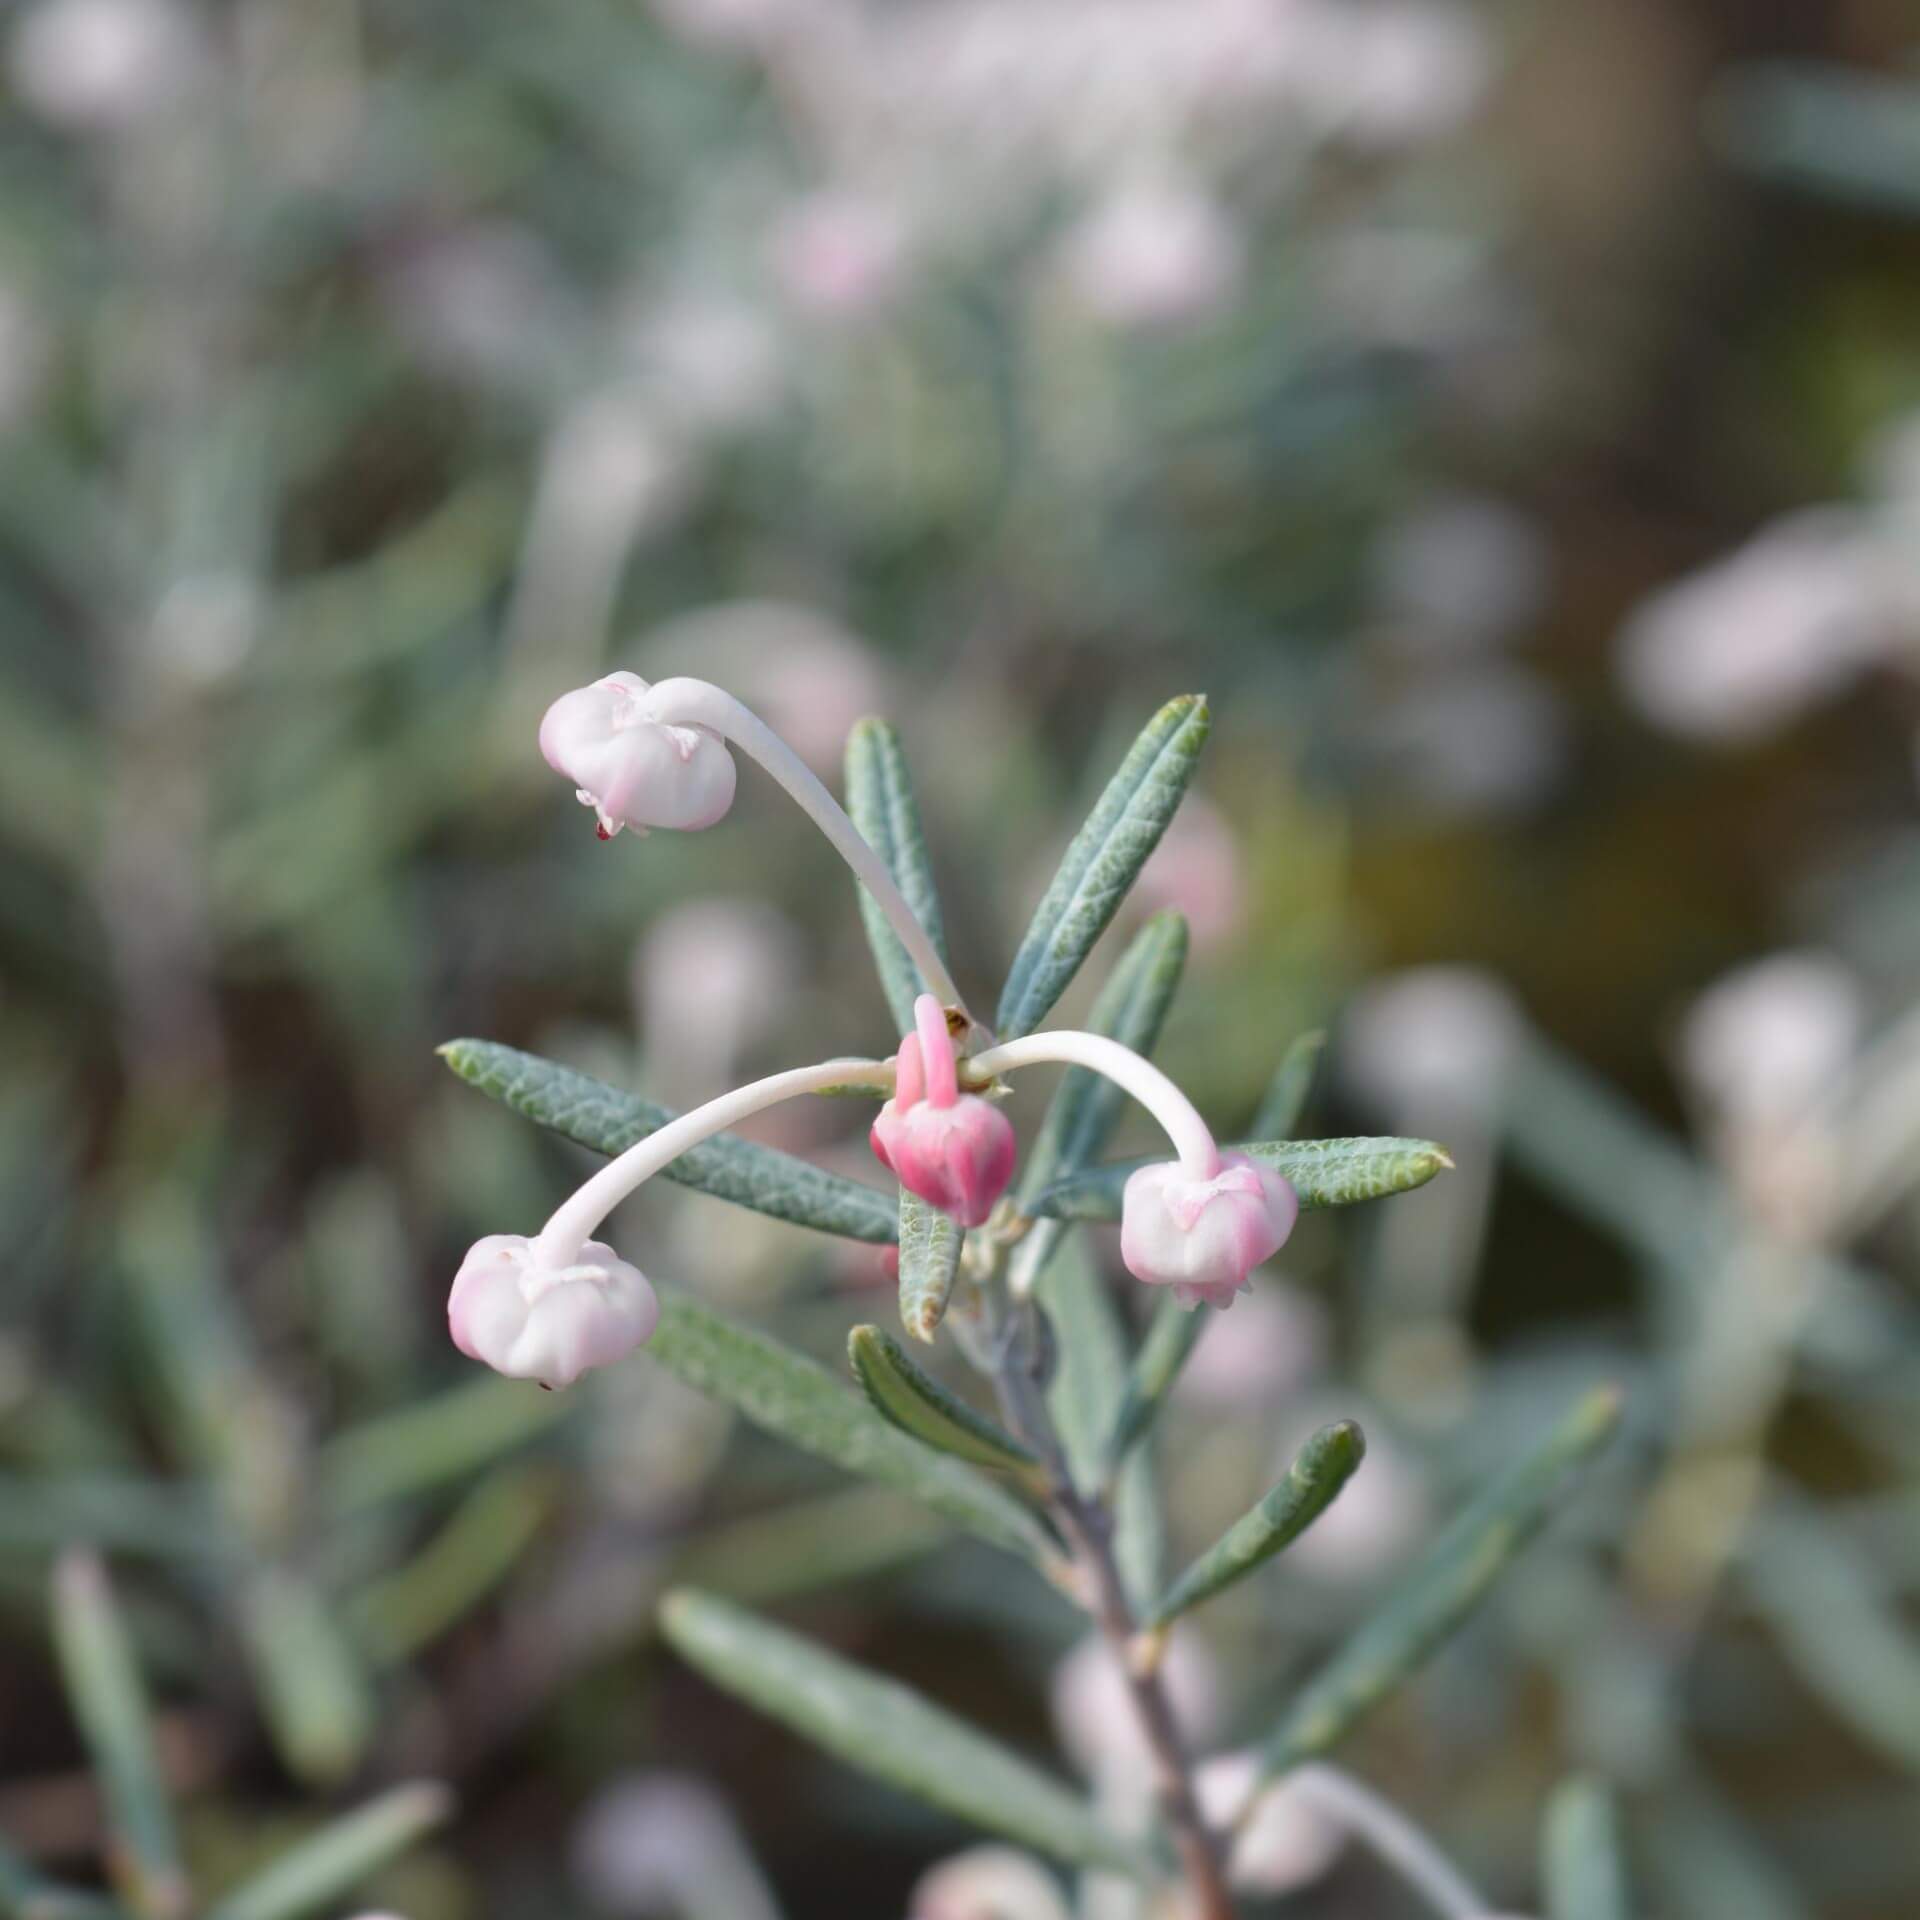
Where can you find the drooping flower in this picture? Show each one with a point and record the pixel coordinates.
(1285, 1843)
(987, 1883)
(631, 769)
(535, 1321)
(955, 1150)
(1203, 1234)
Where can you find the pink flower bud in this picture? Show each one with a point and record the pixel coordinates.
(1203, 1236)
(533, 1321)
(954, 1150)
(635, 771)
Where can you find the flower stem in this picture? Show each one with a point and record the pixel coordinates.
(1192, 1138)
(576, 1219)
(698, 703)
(1374, 1819)
(1086, 1524)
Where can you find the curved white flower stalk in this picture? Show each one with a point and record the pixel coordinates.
(644, 756)
(555, 1306)
(1200, 1224)
(1378, 1824)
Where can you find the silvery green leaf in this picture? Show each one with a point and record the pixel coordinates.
(1131, 1007)
(1103, 861)
(930, 1243)
(1172, 1335)
(789, 1396)
(1324, 1173)
(889, 1731)
(1285, 1100)
(317, 1873)
(1582, 1864)
(1323, 1467)
(315, 1693)
(922, 1407)
(109, 1701)
(1089, 1381)
(609, 1121)
(1451, 1579)
(880, 803)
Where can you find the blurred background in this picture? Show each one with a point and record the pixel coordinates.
(1509, 414)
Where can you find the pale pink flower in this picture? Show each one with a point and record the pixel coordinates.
(1196, 870)
(1099, 1727)
(634, 771)
(955, 1150)
(99, 65)
(1275, 1344)
(653, 1842)
(532, 1321)
(1764, 1043)
(1203, 1235)
(1154, 255)
(987, 1883)
(840, 256)
(1287, 1841)
(1735, 652)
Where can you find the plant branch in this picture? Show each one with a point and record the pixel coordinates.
(1086, 1524)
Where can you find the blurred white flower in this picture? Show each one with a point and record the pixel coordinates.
(1093, 1714)
(708, 361)
(841, 256)
(205, 626)
(610, 473)
(1274, 1345)
(987, 1883)
(1196, 871)
(1765, 1042)
(101, 65)
(1491, 738)
(1393, 73)
(1286, 1843)
(1736, 651)
(807, 676)
(1430, 1039)
(480, 300)
(711, 978)
(737, 26)
(1459, 571)
(653, 1839)
(1154, 254)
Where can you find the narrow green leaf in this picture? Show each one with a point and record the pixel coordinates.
(880, 803)
(922, 1407)
(1103, 862)
(602, 1117)
(1324, 1173)
(1172, 1335)
(330, 1864)
(1285, 1099)
(1449, 1582)
(109, 1701)
(930, 1243)
(889, 1731)
(1582, 1864)
(478, 1548)
(1089, 1382)
(1131, 1008)
(787, 1395)
(1323, 1467)
(314, 1690)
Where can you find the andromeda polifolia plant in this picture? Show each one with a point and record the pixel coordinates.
(1049, 1463)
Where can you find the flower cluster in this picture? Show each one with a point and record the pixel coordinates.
(554, 1306)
